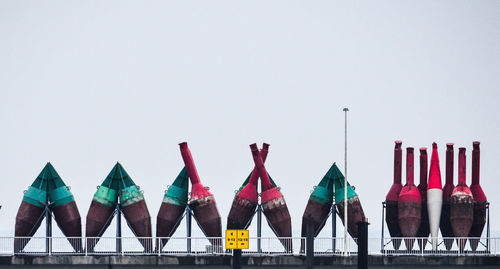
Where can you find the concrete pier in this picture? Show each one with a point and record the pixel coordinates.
(186, 262)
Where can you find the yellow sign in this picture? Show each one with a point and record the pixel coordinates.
(237, 239)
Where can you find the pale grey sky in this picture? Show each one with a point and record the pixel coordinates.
(87, 83)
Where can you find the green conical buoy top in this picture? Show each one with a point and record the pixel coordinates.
(339, 185)
(48, 187)
(177, 193)
(118, 178)
(323, 193)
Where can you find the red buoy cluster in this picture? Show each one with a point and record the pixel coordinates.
(459, 211)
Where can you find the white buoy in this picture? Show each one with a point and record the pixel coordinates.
(434, 196)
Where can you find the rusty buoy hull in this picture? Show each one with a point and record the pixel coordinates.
(480, 200)
(479, 220)
(461, 216)
(391, 199)
(391, 218)
(423, 230)
(355, 214)
(69, 221)
(98, 220)
(277, 216)
(316, 213)
(139, 220)
(173, 207)
(410, 216)
(169, 218)
(445, 225)
(28, 220)
(242, 211)
(208, 218)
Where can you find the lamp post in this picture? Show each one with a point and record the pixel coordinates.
(345, 182)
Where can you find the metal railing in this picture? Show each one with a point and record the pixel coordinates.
(265, 246)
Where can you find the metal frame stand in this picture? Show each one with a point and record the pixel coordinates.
(48, 230)
(334, 228)
(188, 228)
(118, 212)
(259, 228)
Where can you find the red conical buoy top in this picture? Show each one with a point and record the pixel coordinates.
(260, 168)
(462, 185)
(396, 187)
(410, 192)
(476, 189)
(448, 186)
(422, 186)
(197, 190)
(435, 171)
(249, 192)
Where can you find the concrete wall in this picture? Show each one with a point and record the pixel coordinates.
(255, 262)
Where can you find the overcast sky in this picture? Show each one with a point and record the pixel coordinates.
(87, 83)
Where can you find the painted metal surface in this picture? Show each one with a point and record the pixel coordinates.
(245, 201)
(391, 199)
(355, 211)
(118, 189)
(173, 206)
(461, 204)
(273, 203)
(423, 230)
(445, 224)
(202, 202)
(48, 189)
(134, 207)
(409, 204)
(479, 198)
(434, 197)
(319, 205)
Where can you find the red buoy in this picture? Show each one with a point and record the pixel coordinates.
(461, 204)
(245, 201)
(273, 203)
(479, 199)
(202, 202)
(434, 197)
(423, 230)
(391, 200)
(445, 224)
(409, 204)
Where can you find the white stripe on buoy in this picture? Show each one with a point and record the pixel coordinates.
(434, 205)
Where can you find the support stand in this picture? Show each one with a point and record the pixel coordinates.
(188, 229)
(48, 230)
(118, 212)
(259, 228)
(334, 228)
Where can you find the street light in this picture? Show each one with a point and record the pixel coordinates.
(345, 182)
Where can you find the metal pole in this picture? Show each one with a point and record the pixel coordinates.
(188, 229)
(259, 228)
(346, 222)
(48, 230)
(382, 234)
(118, 229)
(334, 228)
